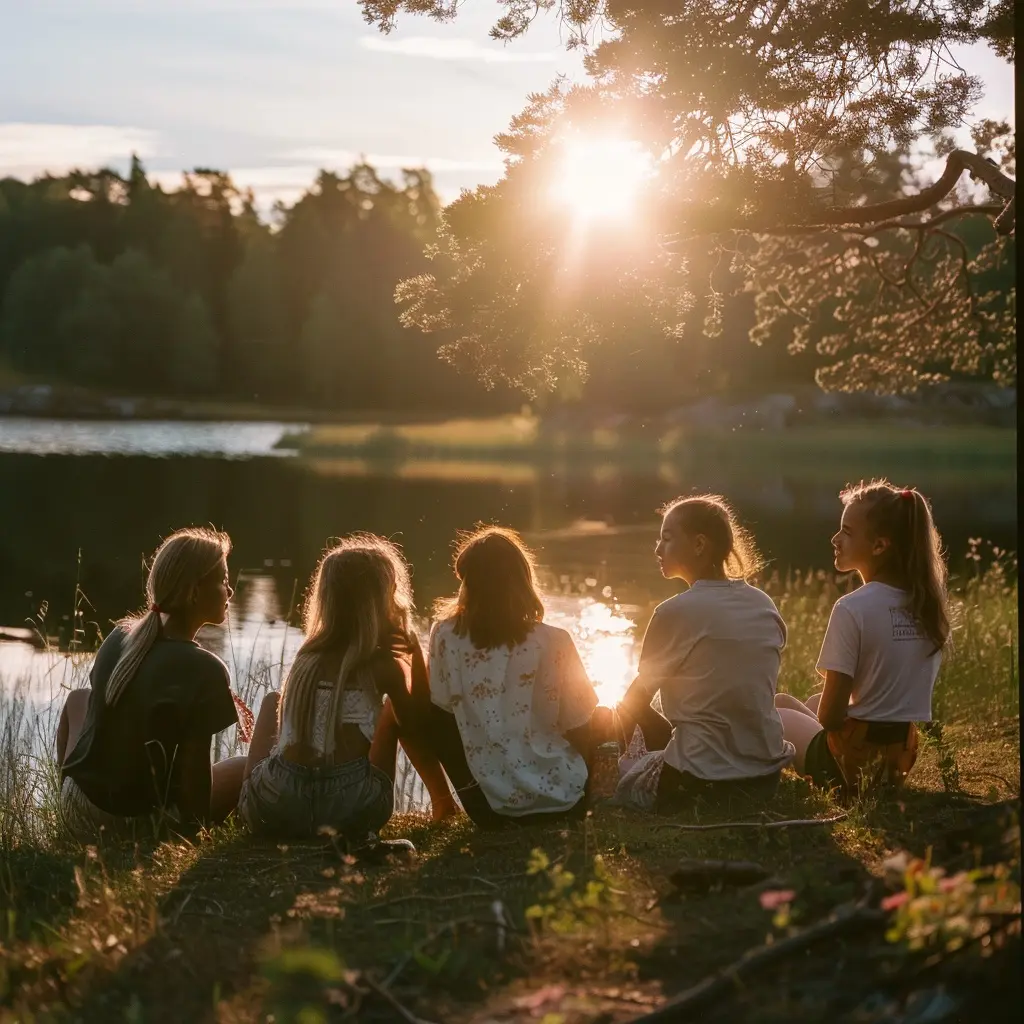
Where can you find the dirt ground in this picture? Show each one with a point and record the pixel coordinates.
(238, 930)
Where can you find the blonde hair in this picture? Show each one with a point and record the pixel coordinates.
(903, 515)
(498, 602)
(181, 562)
(359, 591)
(731, 545)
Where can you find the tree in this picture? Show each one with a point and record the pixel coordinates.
(767, 122)
(321, 372)
(193, 363)
(258, 323)
(39, 293)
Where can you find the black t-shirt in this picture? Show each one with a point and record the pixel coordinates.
(125, 760)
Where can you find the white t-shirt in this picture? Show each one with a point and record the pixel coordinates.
(873, 638)
(714, 652)
(512, 708)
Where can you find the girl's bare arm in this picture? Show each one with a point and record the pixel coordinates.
(835, 700)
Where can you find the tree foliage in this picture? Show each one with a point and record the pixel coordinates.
(772, 126)
(115, 283)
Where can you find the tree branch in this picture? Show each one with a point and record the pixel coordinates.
(849, 216)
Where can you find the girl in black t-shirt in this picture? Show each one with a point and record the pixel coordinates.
(135, 746)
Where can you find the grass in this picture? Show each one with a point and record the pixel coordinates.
(233, 929)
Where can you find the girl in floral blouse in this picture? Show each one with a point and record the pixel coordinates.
(511, 705)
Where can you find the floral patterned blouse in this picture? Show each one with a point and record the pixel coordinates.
(513, 707)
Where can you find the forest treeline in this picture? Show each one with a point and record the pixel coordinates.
(114, 283)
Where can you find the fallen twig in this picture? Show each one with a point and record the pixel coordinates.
(427, 898)
(755, 824)
(845, 919)
(404, 1012)
(705, 874)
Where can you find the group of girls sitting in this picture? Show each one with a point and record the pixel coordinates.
(503, 713)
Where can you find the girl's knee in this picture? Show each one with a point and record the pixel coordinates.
(77, 702)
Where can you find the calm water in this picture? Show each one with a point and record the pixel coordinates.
(81, 504)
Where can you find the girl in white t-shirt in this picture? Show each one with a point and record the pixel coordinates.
(511, 704)
(882, 647)
(713, 653)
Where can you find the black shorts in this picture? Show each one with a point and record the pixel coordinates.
(856, 736)
(679, 791)
(821, 765)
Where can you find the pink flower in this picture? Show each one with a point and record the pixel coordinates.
(772, 899)
(897, 899)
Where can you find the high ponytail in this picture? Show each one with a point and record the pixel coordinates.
(179, 564)
(904, 517)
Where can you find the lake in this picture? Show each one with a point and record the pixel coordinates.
(81, 504)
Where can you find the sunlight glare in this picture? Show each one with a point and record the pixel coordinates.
(600, 178)
(604, 638)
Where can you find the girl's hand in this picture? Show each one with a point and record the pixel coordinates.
(835, 700)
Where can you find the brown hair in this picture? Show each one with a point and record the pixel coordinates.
(904, 516)
(731, 545)
(359, 592)
(181, 562)
(498, 601)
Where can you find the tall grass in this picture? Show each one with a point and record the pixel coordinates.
(978, 683)
(978, 680)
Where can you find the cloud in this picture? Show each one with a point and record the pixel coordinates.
(27, 150)
(288, 182)
(452, 49)
(326, 157)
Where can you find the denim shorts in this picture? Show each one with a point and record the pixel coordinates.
(288, 800)
(87, 823)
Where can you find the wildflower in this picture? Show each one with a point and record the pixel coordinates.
(772, 899)
(897, 899)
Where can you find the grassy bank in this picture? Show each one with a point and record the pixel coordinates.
(561, 924)
(526, 439)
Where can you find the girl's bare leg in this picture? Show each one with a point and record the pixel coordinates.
(228, 775)
(384, 755)
(225, 785)
(428, 767)
(72, 719)
(264, 732)
(785, 701)
(799, 729)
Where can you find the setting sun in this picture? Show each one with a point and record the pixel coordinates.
(600, 177)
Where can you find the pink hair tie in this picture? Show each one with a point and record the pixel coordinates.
(906, 495)
(154, 607)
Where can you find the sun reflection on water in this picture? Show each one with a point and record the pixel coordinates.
(605, 639)
(259, 647)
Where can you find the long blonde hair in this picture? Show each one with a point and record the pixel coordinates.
(181, 562)
(904, 516)
(360, 591)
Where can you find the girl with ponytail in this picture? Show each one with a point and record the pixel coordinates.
(324, 749)
(883, 645)
(136, 744)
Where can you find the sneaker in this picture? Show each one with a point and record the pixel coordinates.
(375, 850)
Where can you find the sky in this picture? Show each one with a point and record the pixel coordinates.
(272, 90)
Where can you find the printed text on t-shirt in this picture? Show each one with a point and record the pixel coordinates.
(904, 625)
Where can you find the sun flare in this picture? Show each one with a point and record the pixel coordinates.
(600, 178)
